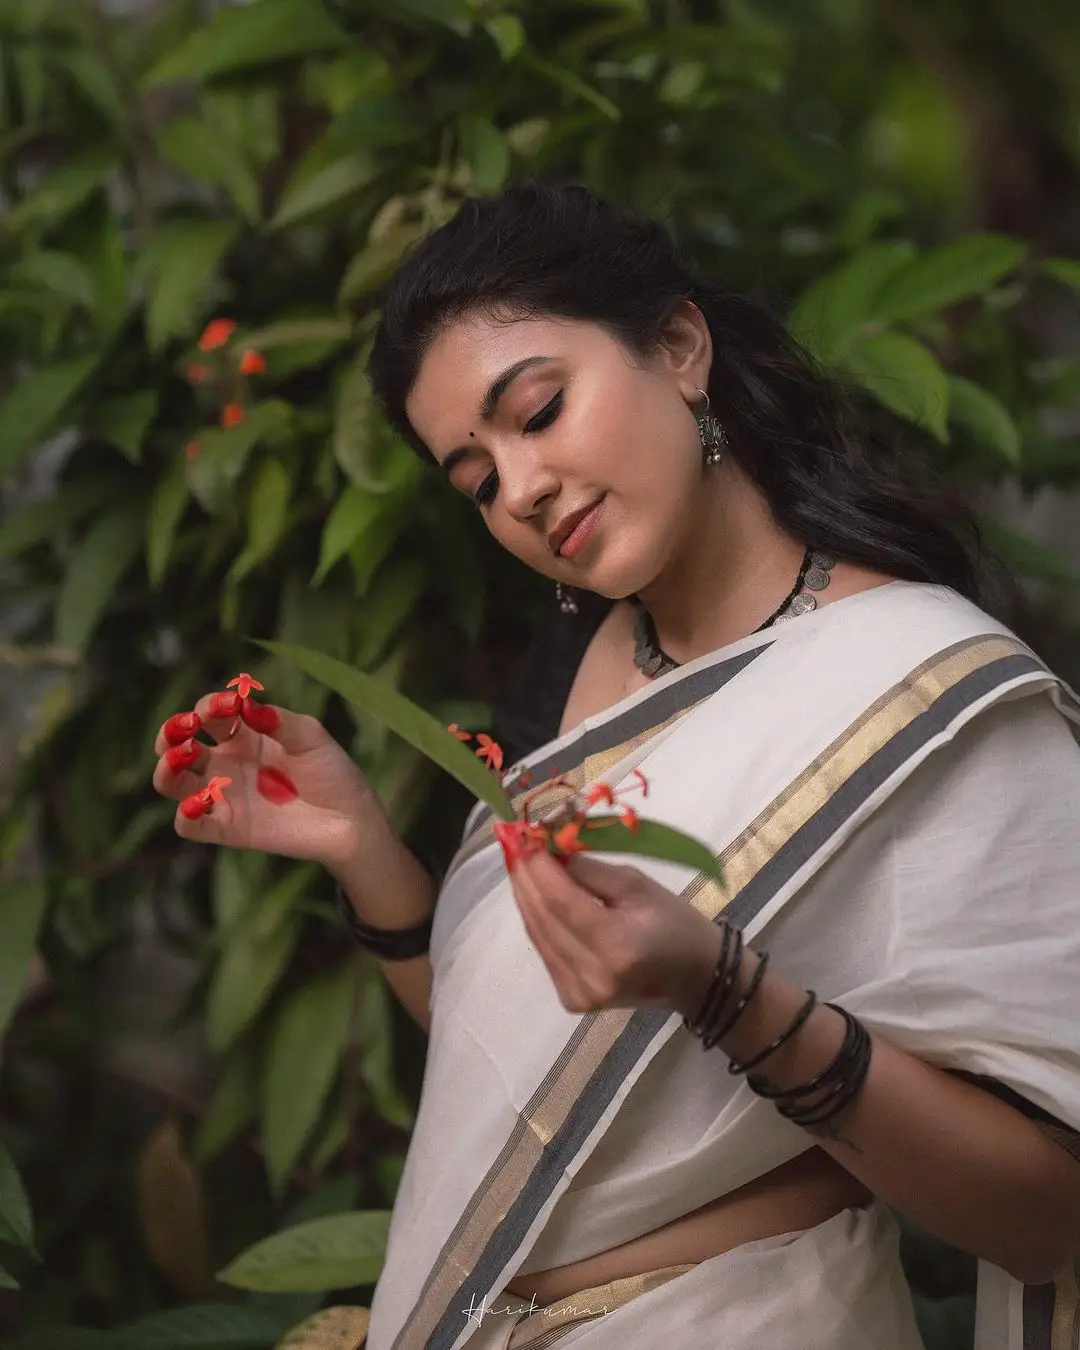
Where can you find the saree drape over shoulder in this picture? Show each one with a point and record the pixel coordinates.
(891, 785)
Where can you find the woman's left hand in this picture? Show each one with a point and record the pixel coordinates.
(613, 938)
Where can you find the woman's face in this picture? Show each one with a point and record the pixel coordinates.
(584, 461)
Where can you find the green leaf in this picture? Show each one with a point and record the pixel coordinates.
(268, 511)
(213, 474)
(207, 1326)
(60, 192)
(374, 264)
(332, 1253)
(124, 421)
(22, 905)
(985, 417)
(485, 150)
(1065, 270)
(243, 980)
(953, 272)
(240, 37)
(337, 182)
(61, 273)
(94, 571)
(904, 376)
(180, 261)
(1027, 556)
(452, 14)
(94, 79)
(508, 34)
(16, 1223)
(829, 315)
(280, 901)
(199, 150)
(303, 1052)
(45, 520)
(354, 512)
(29, 411)
(354, 430)
(298, 332)
(232, 1107)
(377, 1054)
(573, 85)
(403, 717)
(651, 840)
(7, 1281)
(163, 519)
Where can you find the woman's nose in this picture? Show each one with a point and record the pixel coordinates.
(525, 484)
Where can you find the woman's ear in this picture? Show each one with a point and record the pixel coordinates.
(686, 349)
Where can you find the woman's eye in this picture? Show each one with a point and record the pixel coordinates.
(546, 415)
(485, 493)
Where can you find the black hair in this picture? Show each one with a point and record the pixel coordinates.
(834, 477)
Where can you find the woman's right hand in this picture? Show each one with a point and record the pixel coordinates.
(323, 822)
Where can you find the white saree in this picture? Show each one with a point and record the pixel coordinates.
(891, 785)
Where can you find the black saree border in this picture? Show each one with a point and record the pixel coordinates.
(923, 705)
(667, 702)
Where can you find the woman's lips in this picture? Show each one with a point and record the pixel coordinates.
(580, 535)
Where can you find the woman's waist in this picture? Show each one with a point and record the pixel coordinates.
(799, 1194)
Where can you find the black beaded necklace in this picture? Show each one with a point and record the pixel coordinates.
(651, 659)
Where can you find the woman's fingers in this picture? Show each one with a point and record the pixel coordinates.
(180, 780)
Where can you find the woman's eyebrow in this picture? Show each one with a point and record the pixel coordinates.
(490, 402)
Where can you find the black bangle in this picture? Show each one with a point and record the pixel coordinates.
(725, 974)
(718, 1033)
(800, 1017)
(839, 1081)
(388, 944)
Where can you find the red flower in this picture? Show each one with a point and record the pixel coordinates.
(252, 363)
(566, 838)
(193, 449)
(201, 803)
(244, 684)
(216, 333)
(233, 414)
(630, 818)
(455, 730)
(600, 792)
(197, 372)
(489, 751)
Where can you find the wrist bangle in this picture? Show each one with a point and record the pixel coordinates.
(751, 989)
(388, 944)
(800, 1017)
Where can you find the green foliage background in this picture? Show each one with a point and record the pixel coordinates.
(194, 1058)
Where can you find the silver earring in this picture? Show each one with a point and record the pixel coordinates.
(567, 603)
(713, 436)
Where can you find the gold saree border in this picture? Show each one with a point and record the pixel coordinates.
(743, 860)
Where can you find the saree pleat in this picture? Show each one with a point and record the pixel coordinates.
(815, 788)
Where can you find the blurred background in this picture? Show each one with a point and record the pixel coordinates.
(195, 1059)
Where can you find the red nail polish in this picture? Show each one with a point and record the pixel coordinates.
(181, 757)
(180, 727)
(508, 833)
(194, 806)
(261, 717)
(224, 704)
(276, 787)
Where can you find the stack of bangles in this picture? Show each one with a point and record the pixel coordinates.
(831, 1090)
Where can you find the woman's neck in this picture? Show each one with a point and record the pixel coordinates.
(734, 568)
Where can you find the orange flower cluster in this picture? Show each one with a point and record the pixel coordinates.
(225, 373)
(562, 835)
(487, 749)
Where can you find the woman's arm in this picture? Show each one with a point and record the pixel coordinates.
(955, 1160)
(389, 888)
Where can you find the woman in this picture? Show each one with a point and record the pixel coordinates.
(777, 631)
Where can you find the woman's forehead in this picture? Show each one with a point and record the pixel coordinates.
(472, 351)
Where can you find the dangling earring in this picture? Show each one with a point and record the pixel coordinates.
(713, 436)
(567, 603)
